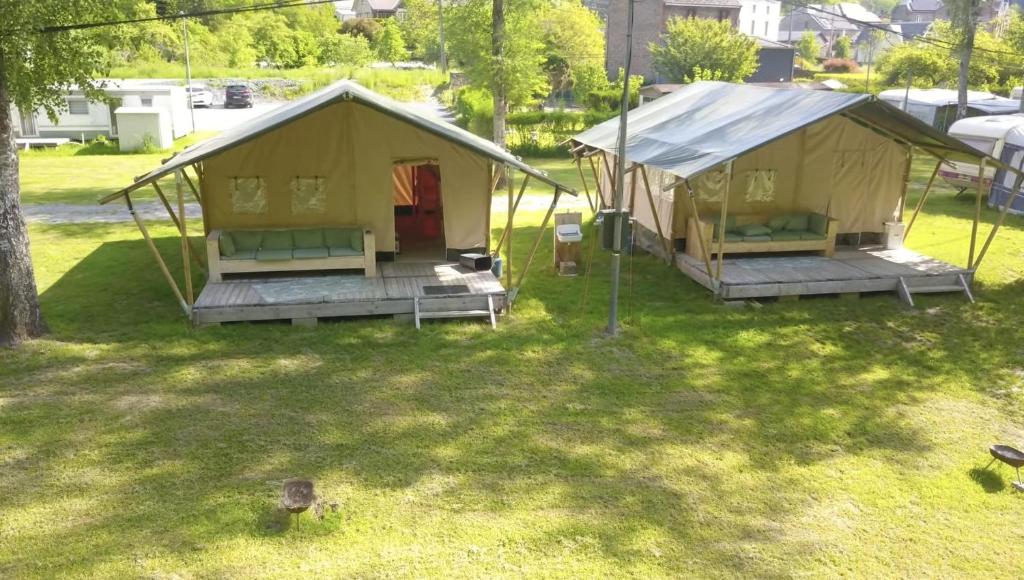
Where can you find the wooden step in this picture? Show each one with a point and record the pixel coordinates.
(455, 314)
(927, 289)
(420, 313)
(906, 289)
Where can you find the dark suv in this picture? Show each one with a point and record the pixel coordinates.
(237, 96)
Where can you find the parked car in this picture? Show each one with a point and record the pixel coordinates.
(237, 96)
(199, 96)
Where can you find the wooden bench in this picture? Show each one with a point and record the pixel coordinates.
(697, 229)
(364, 259)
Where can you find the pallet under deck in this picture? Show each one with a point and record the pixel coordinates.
(849, 271)
(308, 298)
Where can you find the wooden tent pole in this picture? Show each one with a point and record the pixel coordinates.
(721, 223)
(586, 188)
(185, 246)
(924, 197)
(977, 212)
(597, 183)
(696, 218)
(156, 255)
(1011, 195)
(515, 206)
(540, 237)
(906, 180)
(197, 256)
(195, 191)
(654, 212)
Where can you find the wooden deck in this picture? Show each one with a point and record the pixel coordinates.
(304, 299)
(849, 271)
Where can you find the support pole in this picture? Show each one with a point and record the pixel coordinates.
(924, 198)
(654, 212)
(195, 191)
(159, 259)
(586, 188)
(700, 238)
(185, 249)
(599, 202)
(508, 238)
(1011, 195)
(197, 256)
(977, 212)
(721, 224)
(540, 238)
(515, 207)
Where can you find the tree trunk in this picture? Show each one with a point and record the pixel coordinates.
(965, 65)
(498, 54)
(20, 318)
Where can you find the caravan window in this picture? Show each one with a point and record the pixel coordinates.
(78, 106)
(980, 143)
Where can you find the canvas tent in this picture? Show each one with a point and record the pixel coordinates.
(843, 155)
(354, 146)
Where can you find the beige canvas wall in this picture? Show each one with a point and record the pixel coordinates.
(353, 148)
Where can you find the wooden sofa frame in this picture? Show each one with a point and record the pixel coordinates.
(219, 266)
(696, 227)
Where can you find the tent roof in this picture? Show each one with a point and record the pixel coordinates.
(705, 124)
(341, 91)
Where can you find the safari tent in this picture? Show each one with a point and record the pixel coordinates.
(338, 181)
(788, 173)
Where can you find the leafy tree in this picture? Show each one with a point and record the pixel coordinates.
(420, 29)
(964, 16)
(926, 65)
(711, 45)
(368, 28)
(389, 44)
(237, 43)
(36, 70)
(843, 47)
(808, 47)
(574, 47)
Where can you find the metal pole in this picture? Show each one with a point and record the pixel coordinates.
(906, 93)
(613, 308)
(188, 75)
(440, 36)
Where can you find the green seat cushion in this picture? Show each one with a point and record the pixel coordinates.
(338, 237)
(227, 245)
(754, 230)
(270, 255)
(730, 224)
(797, 222)
(732, 237)
(242, 255)
(309, 253)
(246, 239)
(277, 240)
(757, 238)
(356, 240)
(779, 222)
(341, 251)
(786, 235)
(818, 224)
(308, 238)
(811, 236)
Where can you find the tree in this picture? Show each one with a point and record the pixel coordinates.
(808, 47)
(843, 47)
(389, 44)
(963, 15)
(420, 29)
(574, 48)
(368, 28)
(36, 70)
(713, 46)
(918, 61)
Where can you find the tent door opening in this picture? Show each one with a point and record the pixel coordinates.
(419, 215)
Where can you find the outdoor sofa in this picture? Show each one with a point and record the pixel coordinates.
(290, 250)
(790, 232)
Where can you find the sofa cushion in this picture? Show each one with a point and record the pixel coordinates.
(779, 222)
(757, 238)
(797, 222)
(308, 238)
(242, 255)
(277, 240)
(754, 230)
(226, 244)
(818, 224)
(811, 236)
(730, 224)
(270, 255)
(309, 253)
(247, 239)
(731, 237)
(341, 251)
(786, 235)
(338, 237)
(356, 240)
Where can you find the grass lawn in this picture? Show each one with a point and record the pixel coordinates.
(821, 437)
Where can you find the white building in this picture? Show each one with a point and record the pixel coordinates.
(760, 18)
(85, 119)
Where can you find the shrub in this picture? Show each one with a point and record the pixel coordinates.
(841, 65)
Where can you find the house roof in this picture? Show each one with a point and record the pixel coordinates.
(705, 3)
(922, 5)
(705, 124)
(911, 30)
(341, 91)
(385, 5)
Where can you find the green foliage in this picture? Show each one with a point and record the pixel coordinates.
(710, 45)
(927, 65)
(420, 29)
(840, 65)
(389, 45)
(474, 107)
(610, 98)
(842, 48)
(149, 144)
(365, 27)
(808, 47)
(543, 133)
(573, 48)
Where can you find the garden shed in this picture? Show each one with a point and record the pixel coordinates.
(788, 173)
(339, 180)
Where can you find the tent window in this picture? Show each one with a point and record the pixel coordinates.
(248, 195)
(710, 186)
(308, 195)
(760, 185)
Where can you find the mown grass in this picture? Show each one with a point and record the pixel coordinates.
(822, 437)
